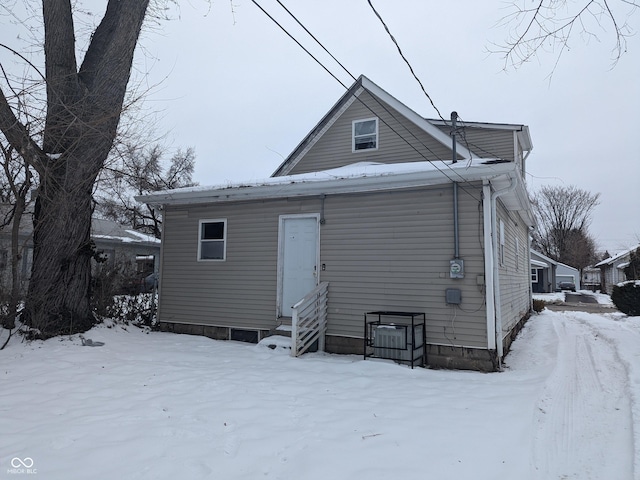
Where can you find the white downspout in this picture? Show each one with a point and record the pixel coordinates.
(488, 264)
(495, 300)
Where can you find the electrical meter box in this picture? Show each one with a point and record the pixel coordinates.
(456, 268)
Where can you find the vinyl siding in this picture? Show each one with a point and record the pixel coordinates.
(486, 142)
(399, 140)
(515, 276)
(380, 251)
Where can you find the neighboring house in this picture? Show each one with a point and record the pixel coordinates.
(366, 204)
(612, 269)
(118, 244)
(546, 274)
(543, 273)
(114, 242)
(591, 279)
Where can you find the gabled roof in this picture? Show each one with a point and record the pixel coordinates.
(546, 260)
(361, 85)
(613, 258)
(112, 232)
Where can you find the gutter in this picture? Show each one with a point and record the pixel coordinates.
(327, 183)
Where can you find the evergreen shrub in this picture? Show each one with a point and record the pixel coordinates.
(626, 297)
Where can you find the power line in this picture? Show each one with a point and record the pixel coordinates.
(393, 39)
(299, 44)
(354, 78)
(316, 40)
(373, 96)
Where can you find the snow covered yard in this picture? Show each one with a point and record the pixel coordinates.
(166, 406)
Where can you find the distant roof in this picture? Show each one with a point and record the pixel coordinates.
(543, 257)
(101, 229)
(537, 263)
(613, 258)
(109, 230)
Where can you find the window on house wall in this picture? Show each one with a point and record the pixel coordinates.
(212, 243)
(534, 275)
(501, 245)
(517, 253)
(365, 134)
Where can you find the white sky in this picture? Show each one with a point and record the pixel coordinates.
(243, 94)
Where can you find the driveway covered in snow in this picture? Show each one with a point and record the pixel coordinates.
(165, 406)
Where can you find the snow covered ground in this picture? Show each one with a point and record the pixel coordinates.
(166, 406)
(557, 297)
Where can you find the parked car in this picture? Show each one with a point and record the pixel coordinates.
(567, 286)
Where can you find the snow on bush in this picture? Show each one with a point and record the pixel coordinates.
(626, 297)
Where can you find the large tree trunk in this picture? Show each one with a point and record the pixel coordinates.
(83, 111)
(58, 296)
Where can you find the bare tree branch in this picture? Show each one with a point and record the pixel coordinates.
(549, 26)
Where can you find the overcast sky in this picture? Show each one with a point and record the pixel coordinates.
(237, 89)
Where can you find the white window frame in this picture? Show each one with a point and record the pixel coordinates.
(517, 253)
(534, 275)
(353, 134)
(223, 239)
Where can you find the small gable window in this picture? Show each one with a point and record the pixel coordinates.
(365, 134)
(212, 243)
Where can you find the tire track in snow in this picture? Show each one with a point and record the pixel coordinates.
(584, 399)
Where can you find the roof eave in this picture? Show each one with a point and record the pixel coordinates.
(306, 187)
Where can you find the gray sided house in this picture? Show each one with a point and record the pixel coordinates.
(114, 242)
(371, 206)
(546, 274)
(543, 273)
(612, 269)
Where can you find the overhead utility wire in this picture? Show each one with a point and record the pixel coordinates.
(316, 40)
(418, 80)
(347, 71)
(454, 171)
(466, 142)
(361, 101)
(393, 39)
(354, 78)
(299, 44)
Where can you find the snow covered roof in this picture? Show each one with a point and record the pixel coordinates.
(538, 263)
(359, 177)
(549, 261)
(613, 258)
(110, 231)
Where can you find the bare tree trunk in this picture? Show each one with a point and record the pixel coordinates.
(58, 296)
(83, 110)
(18, 212)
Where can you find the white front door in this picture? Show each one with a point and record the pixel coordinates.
(298, 259)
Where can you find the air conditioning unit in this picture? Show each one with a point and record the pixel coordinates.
(395, 342)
